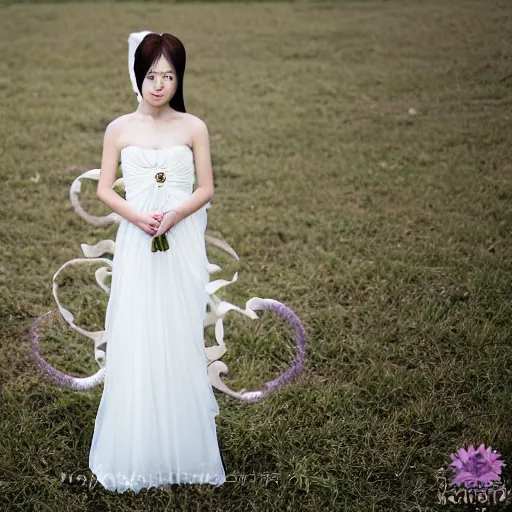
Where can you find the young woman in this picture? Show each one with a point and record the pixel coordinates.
(156, 420)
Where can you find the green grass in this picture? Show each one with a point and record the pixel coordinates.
(387, 232)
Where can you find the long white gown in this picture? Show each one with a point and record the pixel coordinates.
(156, 419)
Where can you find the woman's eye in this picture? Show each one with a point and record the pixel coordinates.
(169, 76)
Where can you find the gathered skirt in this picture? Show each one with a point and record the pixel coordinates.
(155, 423)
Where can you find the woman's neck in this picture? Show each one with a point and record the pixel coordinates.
(155, 113)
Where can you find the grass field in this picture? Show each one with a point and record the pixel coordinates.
(387, 230)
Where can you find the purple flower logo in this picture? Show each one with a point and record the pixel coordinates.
(475, 468)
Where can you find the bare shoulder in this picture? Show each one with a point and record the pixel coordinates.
(118, 124)
(196, 125)
(115, 130)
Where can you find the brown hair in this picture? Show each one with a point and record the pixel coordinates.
(149, 51)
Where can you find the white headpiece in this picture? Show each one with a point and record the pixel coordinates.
(134, 40)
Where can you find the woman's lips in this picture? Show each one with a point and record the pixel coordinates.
(157, 96)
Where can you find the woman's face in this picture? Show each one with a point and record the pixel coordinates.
(160, 83)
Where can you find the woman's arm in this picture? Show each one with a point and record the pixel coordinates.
(204, 191)
(108, 175)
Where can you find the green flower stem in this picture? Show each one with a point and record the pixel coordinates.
(159, 243)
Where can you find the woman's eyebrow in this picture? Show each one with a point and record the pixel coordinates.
(161, 73)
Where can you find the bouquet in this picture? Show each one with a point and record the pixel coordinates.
(160, 242)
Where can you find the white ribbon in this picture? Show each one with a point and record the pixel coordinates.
(134, 40)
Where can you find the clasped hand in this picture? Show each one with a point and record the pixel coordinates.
(156, 224)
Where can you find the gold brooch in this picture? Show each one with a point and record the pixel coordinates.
(160, 178)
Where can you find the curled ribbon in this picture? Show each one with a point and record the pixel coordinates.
(218, 309)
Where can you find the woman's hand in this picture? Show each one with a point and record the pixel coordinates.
(149, 222)
(169, 219)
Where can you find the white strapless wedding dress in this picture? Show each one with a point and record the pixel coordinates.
(156, 419)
